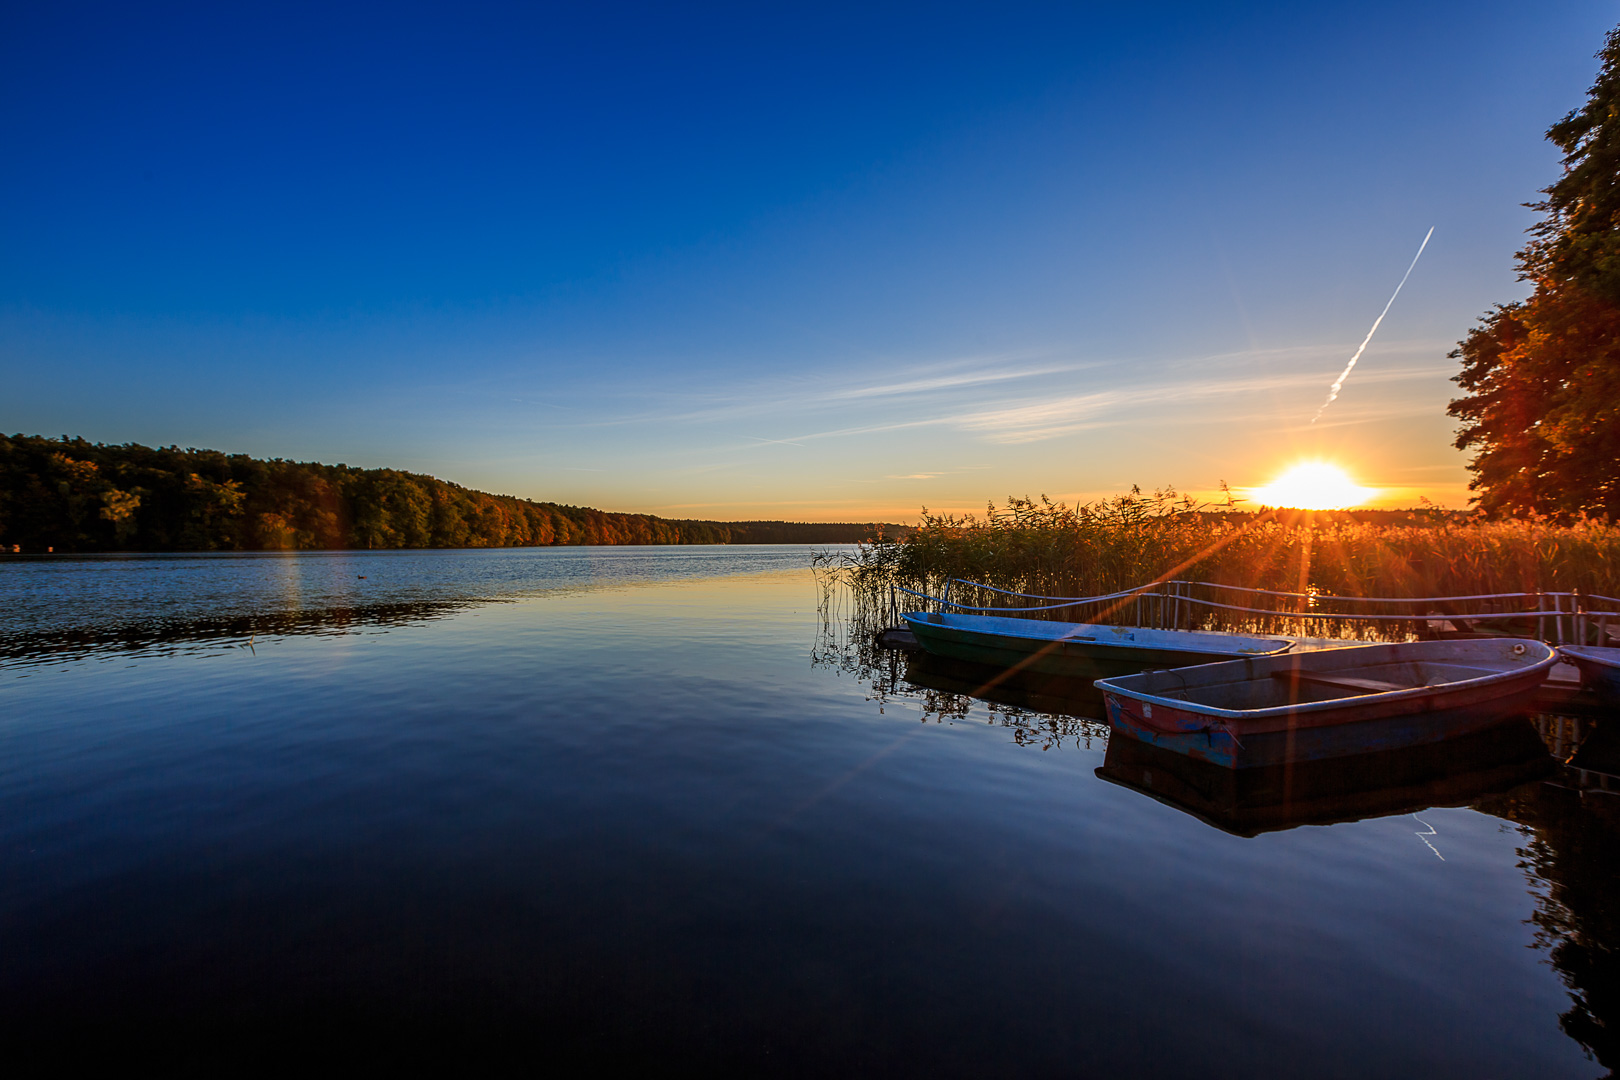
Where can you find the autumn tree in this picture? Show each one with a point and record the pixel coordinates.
(1542, 376)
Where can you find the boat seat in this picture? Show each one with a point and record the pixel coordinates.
(1337, 681)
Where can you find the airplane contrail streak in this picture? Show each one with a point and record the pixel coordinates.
(1338, 383)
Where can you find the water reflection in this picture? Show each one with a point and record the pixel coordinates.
(1040, 715)
(640, 820)
(23, 645)
(1040, 711)
(1248, 802)
(1567, 807)
(1569, 857)
(67, 608)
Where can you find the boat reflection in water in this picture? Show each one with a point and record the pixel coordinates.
(1044, 711)
(1570, 833)
(1248, 802)
(1260, 799)
(1035, 690)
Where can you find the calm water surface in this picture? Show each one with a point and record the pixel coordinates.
(624, 805)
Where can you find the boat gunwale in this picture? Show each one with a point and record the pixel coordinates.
(913, 619)
(1611, 657)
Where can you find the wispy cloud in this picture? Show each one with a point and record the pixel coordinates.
(899, 476)
(919, 380)
(1010, 399)
(1030, 419)
(947, 382)
(1034, 420)
(1329, 354)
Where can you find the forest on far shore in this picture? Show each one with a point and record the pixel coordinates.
(70, 495)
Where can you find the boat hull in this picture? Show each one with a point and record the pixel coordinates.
(1012, 644)
(1414, 726)
(1600, 670)
(1247, 713)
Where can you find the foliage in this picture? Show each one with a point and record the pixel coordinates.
(73, 495)
(1049, 549)
(1542, 377)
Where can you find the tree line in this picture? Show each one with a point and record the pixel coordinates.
(71, 495)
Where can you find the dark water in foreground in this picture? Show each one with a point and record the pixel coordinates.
(648, 809)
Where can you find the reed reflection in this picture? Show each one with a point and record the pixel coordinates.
(1044, 712)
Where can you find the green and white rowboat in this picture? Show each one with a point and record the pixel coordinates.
(1078, 650)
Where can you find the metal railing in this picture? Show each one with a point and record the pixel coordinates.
(1561, 618)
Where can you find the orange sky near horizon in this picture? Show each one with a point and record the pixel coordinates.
(1171, 424)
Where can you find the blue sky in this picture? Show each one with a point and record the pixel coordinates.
(818, 263)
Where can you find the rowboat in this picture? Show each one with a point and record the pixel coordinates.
(1248, 802)
(1331, 703)
(1076, 650)
(1600, 669)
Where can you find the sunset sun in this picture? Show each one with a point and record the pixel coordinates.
(1312, 485)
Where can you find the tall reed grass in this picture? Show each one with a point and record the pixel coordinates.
(1047, 548)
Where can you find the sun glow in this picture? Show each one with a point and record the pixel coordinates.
(1312, 485)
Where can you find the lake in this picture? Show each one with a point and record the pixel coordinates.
(657, 807)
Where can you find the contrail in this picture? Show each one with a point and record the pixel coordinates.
(1338, 383)
(1424, 836)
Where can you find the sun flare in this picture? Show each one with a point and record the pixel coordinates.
(1312, 485)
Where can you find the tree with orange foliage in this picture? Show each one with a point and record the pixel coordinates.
(1542, 376)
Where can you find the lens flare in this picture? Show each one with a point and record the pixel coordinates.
(1312, 485)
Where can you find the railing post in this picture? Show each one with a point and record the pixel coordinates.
(1541, 620)
(1580, 616)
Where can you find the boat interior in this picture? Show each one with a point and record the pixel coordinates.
(1291, 685)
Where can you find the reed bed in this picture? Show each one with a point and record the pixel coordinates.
(1050, 549)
